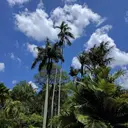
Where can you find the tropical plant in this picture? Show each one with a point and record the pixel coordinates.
(64, 38)
(46, 56)
(24, 93)
(4, 94)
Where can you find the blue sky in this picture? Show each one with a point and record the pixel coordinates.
(25, 24)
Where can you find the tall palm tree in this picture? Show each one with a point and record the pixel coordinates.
(4, 94)
(45, 57)
(96, 104)
(96, 57)
(99, 54)
(64, 38)
(64, 35)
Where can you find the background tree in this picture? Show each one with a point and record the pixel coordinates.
(4, 94)
(24, 93)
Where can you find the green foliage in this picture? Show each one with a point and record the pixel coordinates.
(4, 94)
(96, 101)
(22, 91)
(91, 101)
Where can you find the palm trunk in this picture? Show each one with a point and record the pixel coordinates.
(59, 90)
(53, 96)
(60, 85)
(46, 104)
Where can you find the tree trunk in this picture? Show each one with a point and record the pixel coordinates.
(60, 86)
(53, 96)
(59, 90)
(46, 104)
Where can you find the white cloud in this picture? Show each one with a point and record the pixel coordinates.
(13, 57)
(33, 85)
(14, 81)
(75, 63)
(77, 16)
(2, 67)
(32, 49)
(120, 58)
(39, 25)
(36, 25)
(100, 35)
(19, 2)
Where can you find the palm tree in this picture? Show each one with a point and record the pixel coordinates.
(95, 57)
(64, 34)
(96, 104)
(64, 38)
(4, 94)
(99, 55)
(45, 57)
(12, 112)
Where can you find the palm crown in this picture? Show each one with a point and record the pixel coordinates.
(47, 55)
(64, 34)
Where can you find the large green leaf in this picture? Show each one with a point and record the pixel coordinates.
(90, 122)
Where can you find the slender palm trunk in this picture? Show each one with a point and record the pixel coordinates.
(46, 104)
(60, 79)
(59, 90)
(53, 97)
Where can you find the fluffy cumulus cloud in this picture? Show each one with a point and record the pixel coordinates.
(120, 58)
(32, 49)
(77, 16)
(19, 2)
(100, 35)
(39, 25)
(75, 63)
(2, 67)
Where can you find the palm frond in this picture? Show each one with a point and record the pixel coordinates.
(35, 62)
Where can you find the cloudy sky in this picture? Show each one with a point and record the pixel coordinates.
(26, 24)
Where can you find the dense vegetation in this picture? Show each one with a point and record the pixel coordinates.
(88, 97)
